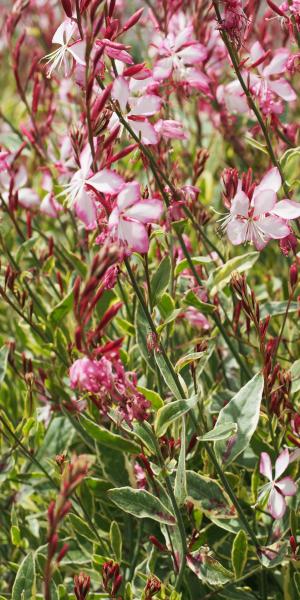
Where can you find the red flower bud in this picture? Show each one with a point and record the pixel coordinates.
(67, 6)
(293, 275)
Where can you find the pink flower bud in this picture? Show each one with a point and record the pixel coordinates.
(67, 6)
(293, 275)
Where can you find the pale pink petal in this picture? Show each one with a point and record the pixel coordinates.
(263, 202)
(287, 209)
(49, 206)
(240, 204)
(146, 106)
(86, 161)
(63, 33)
(256, 52)
(86, 210)
(20, 177)
(235, 98)
(120, 92)
(197, 80)
(146, 211)
(277, 64)
(130, 194)
(28, 198)
(146, 131)
(282, 463)
(273, 227)
(265, 466)
(287, 486)
(270, 181)
(283, 89)
(192, 55)
(237, 231)
(78, 52)
(276, 504)
(183, 37)
(163, 68)
(106, 181)
(134, 234)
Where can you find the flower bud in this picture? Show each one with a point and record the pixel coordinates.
(293, 276)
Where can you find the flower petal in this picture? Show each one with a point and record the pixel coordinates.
(147, 211)
(163, 68)
(282, 463)
(106, 181)
(263, 202)
(265, 466)
(192, 54)
(276, 504)
(28, 198)
(146, 106)
(129, 195)
(273, 227)
(237, 231)
(146, 131)
(287, 209)
(78, 52)
(287, 486)
(63, 33)
(277, 64)
(134, 235)
(240, 205)
(120, 92)
(256, 52)
(86, 209)
(270, 181)
(283, 89)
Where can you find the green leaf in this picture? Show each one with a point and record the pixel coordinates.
(167, 375)
(143, 330)
(107, 438)
(255, 144)
(275, 309)
(153, 397)
(172, 411)
(191, 299)
(219, 278)
(196, 260)
(60, 311)
(180, 487)
(24, 584)
(207, 568)
(26, 247)
(220, 432)
(81, 527)
(166, 305)
(186, 360)
(160, 279)
(115, 537)
(141, 504)
(243, 409)
(239, 553)
(4, 351)
(208, 496)
(295, 376)
(174, 314)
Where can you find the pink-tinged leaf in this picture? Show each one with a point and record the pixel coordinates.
(283, 89)
(263, 202)
(237, 231)
(78, 52)
(146, 211)
(265, 466)
(287, 486)
(273, 227)
(120, 92)
(129, 195)
(163, 68)
(146, 131)
(240, 205)
(282, 463)
(276, 504)
(287, 209)
(106, 181)
(277, 64)
(134, 235)
(86, 210)
(270, 181)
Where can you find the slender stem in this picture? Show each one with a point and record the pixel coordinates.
(251, 102)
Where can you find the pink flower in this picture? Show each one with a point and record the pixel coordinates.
(128, 219)
(140, 110)
(258, 217)
(105, 181)
(196, 318)
(265, 81)
(276, 490)
(14, 182)
(87, 375)
(177, 52)
(67, 49)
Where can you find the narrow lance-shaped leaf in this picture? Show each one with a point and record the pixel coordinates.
(243, 409)
(180, 488)
(141, 504)
(172, 411)
(24, 584)
(160, 279)
(239, 553)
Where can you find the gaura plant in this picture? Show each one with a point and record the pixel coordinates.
(149, 351)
